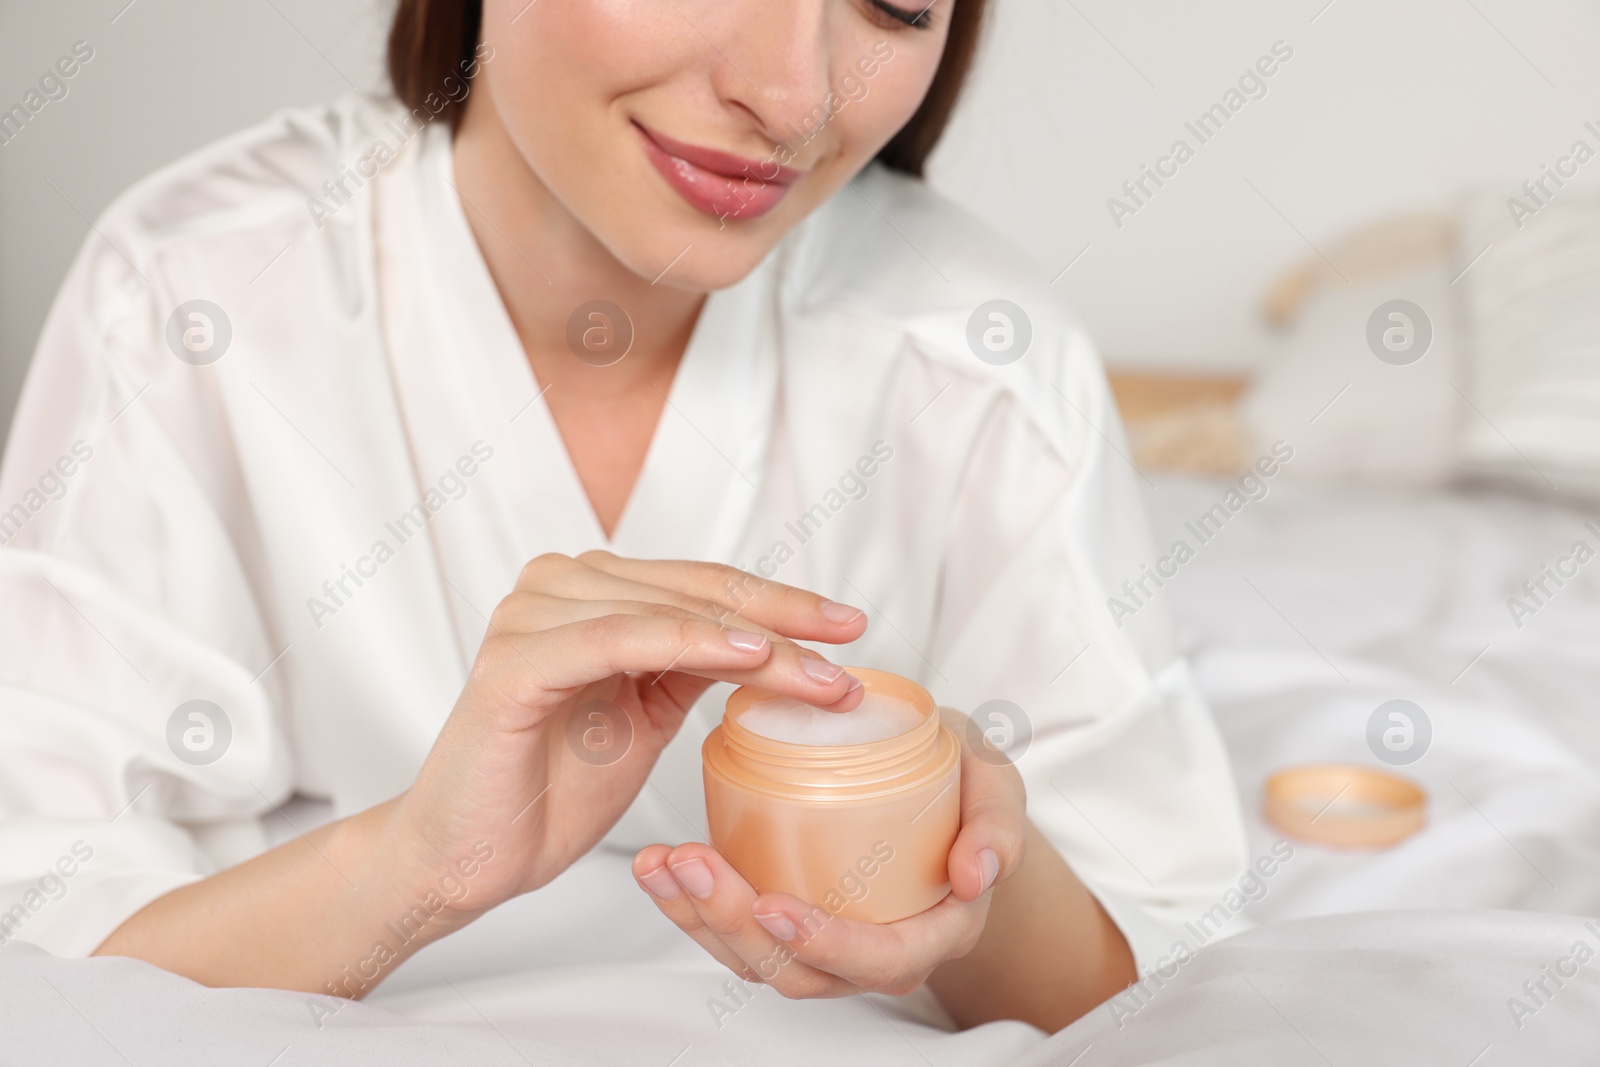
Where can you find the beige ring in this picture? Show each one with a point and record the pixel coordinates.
(1299, 801)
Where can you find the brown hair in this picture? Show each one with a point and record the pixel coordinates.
(432, 40)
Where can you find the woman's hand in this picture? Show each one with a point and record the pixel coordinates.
(585, 674)
(803, 951)
(586, 671)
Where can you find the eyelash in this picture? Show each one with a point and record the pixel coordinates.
(900, 18)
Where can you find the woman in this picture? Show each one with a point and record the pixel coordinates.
(394, 439)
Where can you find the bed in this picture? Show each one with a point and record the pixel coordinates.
(1321, 601)
(1310, 608)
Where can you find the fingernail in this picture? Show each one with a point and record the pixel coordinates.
(834, 611)
(661, 883)
(778, 926)
(988, 866)
(745, 641)
(694, 876)
(820, 669)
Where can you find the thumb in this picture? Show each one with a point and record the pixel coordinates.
(994, 820)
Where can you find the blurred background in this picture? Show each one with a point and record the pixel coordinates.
(1386, 262)
(1383, 109)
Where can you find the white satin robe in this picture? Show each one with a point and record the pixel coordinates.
(186, 557)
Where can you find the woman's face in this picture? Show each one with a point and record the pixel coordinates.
(702, 131)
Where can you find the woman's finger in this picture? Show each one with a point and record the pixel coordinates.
(994, 820)
(738, 594)
(534, 612)
(562, 585)
(892, 958)
(708, 900)
(651, 872)
(724, 903)
(647, 639)
(587, 650)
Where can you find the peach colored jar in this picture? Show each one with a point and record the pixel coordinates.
(862, 831)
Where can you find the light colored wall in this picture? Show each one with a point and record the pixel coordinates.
(1384, 107)
(167, 76)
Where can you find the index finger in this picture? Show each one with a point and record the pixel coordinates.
(784, 609)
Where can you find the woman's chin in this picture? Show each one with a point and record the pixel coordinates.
(694, 258)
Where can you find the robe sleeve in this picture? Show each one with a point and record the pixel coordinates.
(126, 599)
(1125, 769)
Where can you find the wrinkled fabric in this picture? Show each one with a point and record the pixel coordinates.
(309, 531)
(1418, 596)
(1389, 988)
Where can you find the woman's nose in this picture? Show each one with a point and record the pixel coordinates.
(777, 62)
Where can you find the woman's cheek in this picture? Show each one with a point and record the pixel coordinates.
(901, 72)
(579, 56)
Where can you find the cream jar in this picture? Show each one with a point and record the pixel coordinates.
(862, 831)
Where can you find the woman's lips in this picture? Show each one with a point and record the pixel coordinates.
(718, 183)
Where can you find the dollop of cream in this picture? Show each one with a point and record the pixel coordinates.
(878, 718)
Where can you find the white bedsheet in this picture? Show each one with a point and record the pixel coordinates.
(1387, 988)
(1314, 605)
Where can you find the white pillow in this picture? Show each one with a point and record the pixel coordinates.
(1348, 414)
(1531, 310)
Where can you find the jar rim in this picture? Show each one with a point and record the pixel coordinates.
(834, 773)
